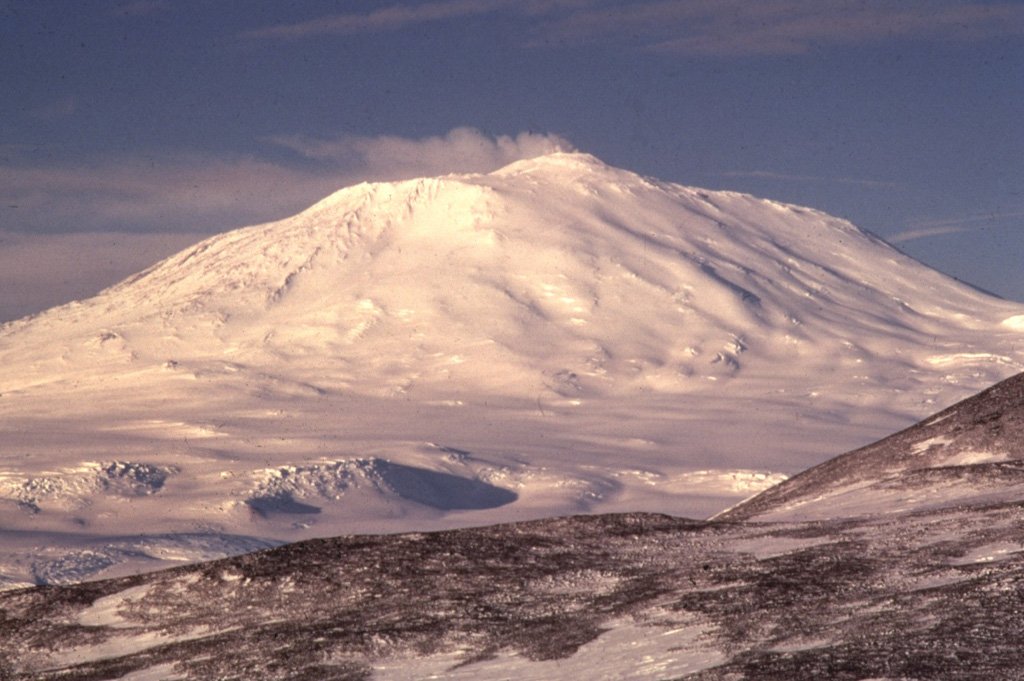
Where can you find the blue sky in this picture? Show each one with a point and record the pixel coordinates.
(131, 128)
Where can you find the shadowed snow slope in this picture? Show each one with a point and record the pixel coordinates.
(555, 337)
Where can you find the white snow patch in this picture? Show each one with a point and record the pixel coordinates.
(727, 481)
(107, 611)
(989, 553)
(970, 457)
(924, 445)
(938, 419)
(160, 672)
(970, 358)
(771, 546)
(959, 458)
(120, 645)
(1015, 322)
(628, 651)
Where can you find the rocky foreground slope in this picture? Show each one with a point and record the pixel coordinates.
(897, 590)
(967, 454)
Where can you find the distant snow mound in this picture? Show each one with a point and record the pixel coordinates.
(126, 478)
(73, 487)
(295, 489)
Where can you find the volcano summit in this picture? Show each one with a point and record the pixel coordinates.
(556, 337)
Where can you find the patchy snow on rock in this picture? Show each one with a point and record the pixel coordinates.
(970, 453)
(627, 651)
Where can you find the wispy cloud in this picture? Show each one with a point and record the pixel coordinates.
(463, 150)
(695, 27)
(785, 177)
(205, 193)
(390, 18)
(180, 192)
(740, 27)
(928, 228)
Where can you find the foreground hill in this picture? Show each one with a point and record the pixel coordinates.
(931, 591)
(970, 453)
(556, 337)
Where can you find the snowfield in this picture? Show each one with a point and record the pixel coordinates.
(554, 338)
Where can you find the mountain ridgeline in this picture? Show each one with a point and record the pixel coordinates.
(556, 274)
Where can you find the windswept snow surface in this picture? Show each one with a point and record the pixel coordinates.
(552, 338)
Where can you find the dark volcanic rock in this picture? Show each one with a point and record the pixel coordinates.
(909, 599)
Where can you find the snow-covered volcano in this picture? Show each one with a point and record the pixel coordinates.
(557, 336)
(557, 276)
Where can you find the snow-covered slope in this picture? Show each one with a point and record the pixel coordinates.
(555, 337)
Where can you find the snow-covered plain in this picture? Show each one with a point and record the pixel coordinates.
(552, 338)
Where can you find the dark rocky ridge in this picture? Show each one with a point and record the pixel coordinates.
(897, 599)
(989, 423)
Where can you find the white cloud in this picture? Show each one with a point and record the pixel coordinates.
(390, 18)
(175, 193)
(922, 229)
(800, 26)
(463, 150)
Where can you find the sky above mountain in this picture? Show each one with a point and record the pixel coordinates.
(133, 128)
